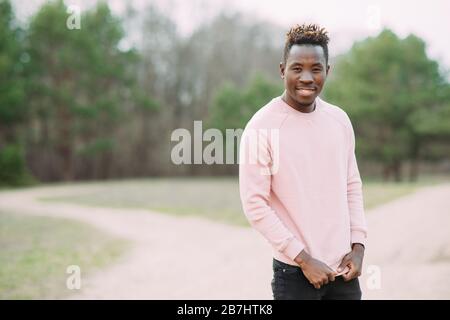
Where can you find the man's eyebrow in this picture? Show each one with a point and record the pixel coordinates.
(316, 64)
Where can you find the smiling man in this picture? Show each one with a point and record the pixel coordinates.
(311, 208)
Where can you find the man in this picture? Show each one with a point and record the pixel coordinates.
(303, 191)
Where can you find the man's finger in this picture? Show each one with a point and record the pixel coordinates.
(331, 276)
(343, 264)
(349, 275)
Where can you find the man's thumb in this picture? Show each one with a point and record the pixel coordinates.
(342, 265)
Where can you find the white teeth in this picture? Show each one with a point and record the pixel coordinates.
(305, 92)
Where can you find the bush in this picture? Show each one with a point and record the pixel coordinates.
(13, 169)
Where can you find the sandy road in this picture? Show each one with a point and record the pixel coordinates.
(408, 251)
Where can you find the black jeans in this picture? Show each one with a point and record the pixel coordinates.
(289, 283)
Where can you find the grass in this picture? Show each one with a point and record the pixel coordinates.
(36, 251)
(376, 193)
(212, 198)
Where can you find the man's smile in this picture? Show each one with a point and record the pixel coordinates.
(306, 91)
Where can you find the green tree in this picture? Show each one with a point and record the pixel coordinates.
(80, 88)
(233, 107)
(11, 86)
(433, 127)
(12, 108)
(384, 83)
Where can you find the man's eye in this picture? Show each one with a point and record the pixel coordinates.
(296, 69)
(317, 70)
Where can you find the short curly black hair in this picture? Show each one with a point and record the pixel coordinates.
(306, 34)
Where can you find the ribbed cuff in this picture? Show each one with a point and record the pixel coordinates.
(293, 249)
(358, 237)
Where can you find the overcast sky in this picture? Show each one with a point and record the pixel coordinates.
(346, 20)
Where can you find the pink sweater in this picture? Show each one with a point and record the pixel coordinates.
(299, 181)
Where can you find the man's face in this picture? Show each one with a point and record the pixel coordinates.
(304, 73)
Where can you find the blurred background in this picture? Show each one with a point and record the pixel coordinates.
(91, 91)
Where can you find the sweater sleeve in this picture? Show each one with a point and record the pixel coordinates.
(255, 175)
(358, 225)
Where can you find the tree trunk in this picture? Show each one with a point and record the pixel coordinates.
(414, 170)
(386, 172)
(397, 169)
(415, 160)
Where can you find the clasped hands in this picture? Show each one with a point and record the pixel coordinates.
(319, 274)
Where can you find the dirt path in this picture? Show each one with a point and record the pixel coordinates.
(190, 258)
(410, 242)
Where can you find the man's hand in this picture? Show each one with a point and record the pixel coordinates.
(353, 261)
(317, 272)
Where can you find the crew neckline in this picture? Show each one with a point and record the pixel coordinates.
(290, 109)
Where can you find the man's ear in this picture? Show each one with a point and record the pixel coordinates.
(282, 70)
(328, 69)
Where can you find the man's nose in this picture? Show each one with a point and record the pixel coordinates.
(306, 77)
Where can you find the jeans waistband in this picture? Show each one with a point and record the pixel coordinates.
(280, 264)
